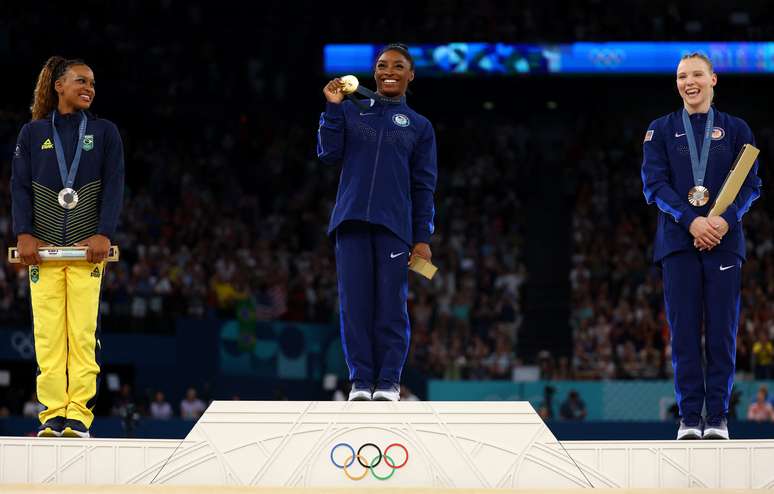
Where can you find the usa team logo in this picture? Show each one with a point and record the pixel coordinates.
(400, 120)
(718, 133)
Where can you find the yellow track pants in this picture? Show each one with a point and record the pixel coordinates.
(65, 317)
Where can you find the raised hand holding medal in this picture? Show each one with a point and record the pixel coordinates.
(350, 84)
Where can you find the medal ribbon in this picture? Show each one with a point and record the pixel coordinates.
(364, 91)
(68, 179)
(699, 166)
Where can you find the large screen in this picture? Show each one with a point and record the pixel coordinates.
(574, 58)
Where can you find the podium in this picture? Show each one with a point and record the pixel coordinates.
(449, 445)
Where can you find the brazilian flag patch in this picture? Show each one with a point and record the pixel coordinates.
(34, 274)
(88, 142)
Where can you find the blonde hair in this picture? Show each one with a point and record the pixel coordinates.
(44, 98)
(702, 56)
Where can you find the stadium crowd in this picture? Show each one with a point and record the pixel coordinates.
(226, 202)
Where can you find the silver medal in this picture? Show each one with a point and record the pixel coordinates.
(68, 198)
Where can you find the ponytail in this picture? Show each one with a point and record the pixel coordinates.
(45, 99)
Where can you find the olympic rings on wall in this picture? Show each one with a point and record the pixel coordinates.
(369, 465)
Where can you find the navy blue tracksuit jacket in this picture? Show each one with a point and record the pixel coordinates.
(36, 181)
(384, 205)
(700, 288)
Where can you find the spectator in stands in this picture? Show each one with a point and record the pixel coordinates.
(546, 407)
(763, 356)
(761, 410)
(160, 407)
(123, 401)
(191, 407)
(32, 407)
(573, 408)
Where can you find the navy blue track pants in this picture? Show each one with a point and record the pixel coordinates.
(372, 271)
(703, 288)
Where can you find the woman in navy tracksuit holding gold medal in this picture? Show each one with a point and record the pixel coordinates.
(66, 189)
(383, 215)
(687, 156)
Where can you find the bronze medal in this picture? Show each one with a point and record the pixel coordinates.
(698, 196)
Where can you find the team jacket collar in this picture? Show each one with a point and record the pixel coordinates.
(385, 100)
(69, 116)
(698, 115)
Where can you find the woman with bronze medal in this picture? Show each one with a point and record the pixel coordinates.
(66, 189)
(686, 157)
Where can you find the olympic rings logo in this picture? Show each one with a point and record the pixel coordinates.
(607, 58)
(369, 466)
(23, 344)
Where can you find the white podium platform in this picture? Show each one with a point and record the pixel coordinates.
(427, 444)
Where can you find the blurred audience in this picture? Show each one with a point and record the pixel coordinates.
(32, 407)
(761, 409)
(191, 407)
(160, 407)
(573, 407)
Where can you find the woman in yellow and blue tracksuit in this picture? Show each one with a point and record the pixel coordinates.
(687, 156)
(383, 215)
(66, 189)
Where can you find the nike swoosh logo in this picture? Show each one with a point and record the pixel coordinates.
(676, 134)
(393, 255)
(370, 113)
(725, 268)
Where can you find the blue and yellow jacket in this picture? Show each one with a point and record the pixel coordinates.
(388, 159)
(667, 176)
(36, 182)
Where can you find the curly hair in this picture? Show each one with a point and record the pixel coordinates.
(45, 99)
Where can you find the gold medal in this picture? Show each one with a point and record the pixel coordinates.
(350, 84)
(698, 196)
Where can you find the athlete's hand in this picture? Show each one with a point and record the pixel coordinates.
(705, 234)
(332, 91)
(699, 244)
(98, 247)
(28, 246)
(720, 224)
(421, 249)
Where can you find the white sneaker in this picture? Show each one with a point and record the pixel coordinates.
(358, 393)
(690, 428)
(716, 428)
(387, 394)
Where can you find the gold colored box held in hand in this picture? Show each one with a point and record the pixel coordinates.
(62, 254)
(735, 179)
(423, 267)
